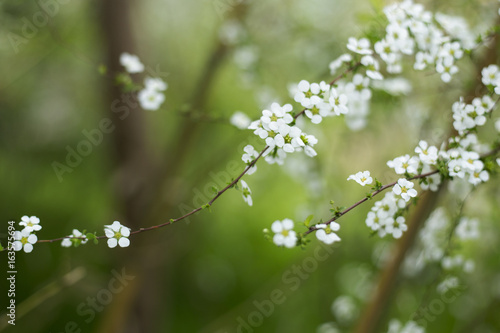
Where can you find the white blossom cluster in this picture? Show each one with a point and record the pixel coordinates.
(151, 96)
(436, 41)
(462, 160)
(24, 239)
(395, 326)
(277, 127)
(433, 236)
(413, 31)
(434, 241)
(463, 157)
(385, 217)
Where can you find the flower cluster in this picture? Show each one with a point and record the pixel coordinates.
(469, 116)
(395, 326)
(411, 30)
(117, 234)
(386, 217)
(326, 234)
(24, 239)
(320, 100)
(151, 96)
(433, 244)
(131, 63)
(282, 136)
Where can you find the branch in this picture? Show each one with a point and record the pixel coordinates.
(366, 198)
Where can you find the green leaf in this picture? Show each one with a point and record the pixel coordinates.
(102, 69)
(1, 247)
(91, 236)
(308, 220)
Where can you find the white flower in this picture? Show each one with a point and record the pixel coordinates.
(67, 242)
(249, 155)
(156, 84)
(467, 229)
(497, 125)
(131, 63)
(431, 183)
(451, 50)
(403, 164)
(395, 86)
(373, 221)
(291, 138)
(338, 102)
(456, 168)
(411, 327)
(284, 234)
(490, 75)
(447, 284)
(247, 193)
(372, 68)
(309, 141)
(397, 227)
(310, 94)
(422, 60)
(477, 177)
(498, 161)
(325, 233)
(362, 178)
(240, 120)
(427, 154)
(117, 234)
(358, 87)
(275, 156)
(446, 68)
(361, 46)
(404, 188)
(345, 310)
(385, 50)
(150, 99)
(337, 63)
(24, 239)
(278, 115)
(30, 223)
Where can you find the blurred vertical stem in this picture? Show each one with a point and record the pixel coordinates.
(141, 181)
(386, 285)
(133, 310)
(379, 304)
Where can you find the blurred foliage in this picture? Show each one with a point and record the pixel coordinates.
(219, 264)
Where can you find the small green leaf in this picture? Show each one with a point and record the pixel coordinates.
(102, 69)
(1, 247)
(308, 220)
(90, 236)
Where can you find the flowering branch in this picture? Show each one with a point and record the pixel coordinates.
(366, 198)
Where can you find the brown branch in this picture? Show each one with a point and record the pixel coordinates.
(385, 287)
(374, 193)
